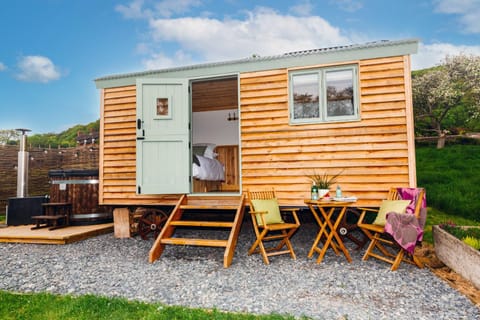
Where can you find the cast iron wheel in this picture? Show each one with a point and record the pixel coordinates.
(151, 222)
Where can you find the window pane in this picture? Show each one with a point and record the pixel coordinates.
(305, 96)
(339, 93)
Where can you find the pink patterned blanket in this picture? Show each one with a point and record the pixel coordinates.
(406, 229)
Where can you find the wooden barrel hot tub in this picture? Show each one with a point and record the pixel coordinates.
(80, 188)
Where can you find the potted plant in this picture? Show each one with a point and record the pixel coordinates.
(323, 182)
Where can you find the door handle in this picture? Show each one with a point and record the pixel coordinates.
(142, 137)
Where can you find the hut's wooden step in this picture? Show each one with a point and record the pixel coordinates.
(207, 206)
(210, 205)
(194, 223)
(195, 242)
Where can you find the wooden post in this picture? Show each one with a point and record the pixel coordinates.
(121, 222)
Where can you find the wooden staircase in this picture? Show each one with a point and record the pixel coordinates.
(207, 205)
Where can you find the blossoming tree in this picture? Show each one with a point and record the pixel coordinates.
(454, 83)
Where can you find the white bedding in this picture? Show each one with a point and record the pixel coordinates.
(209, 169)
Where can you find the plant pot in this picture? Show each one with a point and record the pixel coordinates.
(457, 255)
(322, 193)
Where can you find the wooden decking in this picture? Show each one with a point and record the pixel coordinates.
(24, 234)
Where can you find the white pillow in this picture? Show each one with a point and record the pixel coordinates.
(209, 151)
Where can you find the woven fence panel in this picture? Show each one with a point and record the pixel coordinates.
(41, 161)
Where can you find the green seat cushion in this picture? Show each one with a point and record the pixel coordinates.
(387, 206)
(271, 206)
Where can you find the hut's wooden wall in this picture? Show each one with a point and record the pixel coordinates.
(117, 168)
(373, 153)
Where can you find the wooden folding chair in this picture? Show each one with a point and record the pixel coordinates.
(382, 245)
(269, 225)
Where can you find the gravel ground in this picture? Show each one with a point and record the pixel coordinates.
(195, 277)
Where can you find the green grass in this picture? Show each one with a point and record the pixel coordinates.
(48, 306)
(435, 216)
(2, 219)
(451, 177)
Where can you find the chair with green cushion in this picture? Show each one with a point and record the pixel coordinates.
(382, 245)
(269, 225)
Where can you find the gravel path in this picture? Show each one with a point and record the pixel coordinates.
(195, 277)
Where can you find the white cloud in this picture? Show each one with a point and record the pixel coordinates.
(216, 40)
(2, 67)
(199, 39)
(468, 10)
(160, 61)
(37, 69)
(348, 5)
(133, 10)
(302, 9)
(430, 55)
(142, 48)
(166, 8)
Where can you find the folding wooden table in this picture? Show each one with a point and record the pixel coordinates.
(323, 212)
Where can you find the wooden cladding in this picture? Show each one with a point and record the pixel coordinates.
(118, 161)
(228, 156)
(118, 151)
(118, 148)
(213, 95)
(372, 154)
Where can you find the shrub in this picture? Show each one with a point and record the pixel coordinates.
(472, 242)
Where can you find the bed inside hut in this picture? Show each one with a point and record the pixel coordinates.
(215, 135)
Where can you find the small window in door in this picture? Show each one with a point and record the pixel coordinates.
(163, 109)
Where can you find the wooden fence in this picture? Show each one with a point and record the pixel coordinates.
(41, 161)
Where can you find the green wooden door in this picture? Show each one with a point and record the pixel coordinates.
(163, 135)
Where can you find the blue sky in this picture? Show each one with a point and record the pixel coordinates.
(52, 50)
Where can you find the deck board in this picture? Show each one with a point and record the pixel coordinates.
(24, 234)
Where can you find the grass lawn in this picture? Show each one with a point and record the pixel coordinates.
(451, 177)
(435, 216)
(54, 307)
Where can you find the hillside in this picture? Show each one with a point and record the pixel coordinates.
(63, 139)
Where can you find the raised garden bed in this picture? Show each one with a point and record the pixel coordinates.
(457, 255)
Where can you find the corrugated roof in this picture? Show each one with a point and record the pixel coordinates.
(341, 48)
(319, 51)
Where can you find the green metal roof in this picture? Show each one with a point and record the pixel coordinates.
(370, 50)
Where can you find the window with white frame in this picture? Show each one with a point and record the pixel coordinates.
(324, 95)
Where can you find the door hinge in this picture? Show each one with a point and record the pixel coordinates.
(139, 124)
(139, 190)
